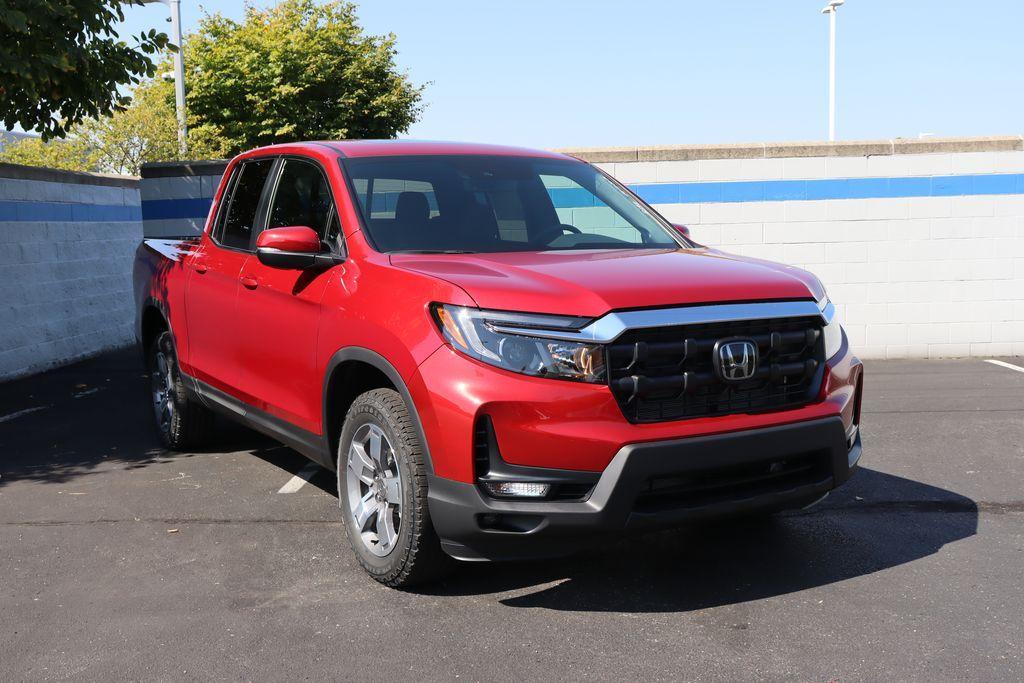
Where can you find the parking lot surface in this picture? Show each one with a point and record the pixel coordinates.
(120, 560)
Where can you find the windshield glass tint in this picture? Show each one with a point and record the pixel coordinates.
(482, 203)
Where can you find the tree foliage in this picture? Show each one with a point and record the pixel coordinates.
(296, 71)
(144, 131)
(299, 70)
(67, 155)
(61, 62)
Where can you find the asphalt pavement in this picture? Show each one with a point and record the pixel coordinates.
(119, 560)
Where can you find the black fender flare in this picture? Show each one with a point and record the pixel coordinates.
(364, 355)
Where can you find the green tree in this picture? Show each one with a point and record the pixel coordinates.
(68, 155)
(147, 130)
(144, 131)
(61, 62)
(298, 70)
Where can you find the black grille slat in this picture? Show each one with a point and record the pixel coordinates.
(667, 373)
(694, 489)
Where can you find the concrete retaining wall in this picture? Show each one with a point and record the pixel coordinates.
(920, 242)
(66, 246)
(176, 196)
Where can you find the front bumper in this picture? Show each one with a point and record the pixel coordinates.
(654, 485)
(573, 426)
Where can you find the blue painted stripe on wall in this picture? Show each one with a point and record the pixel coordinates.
(708, 192)
(832, 188)
(161, 209)
(63, 211)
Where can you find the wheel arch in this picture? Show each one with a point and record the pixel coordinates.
(151, 323)
(362, 370)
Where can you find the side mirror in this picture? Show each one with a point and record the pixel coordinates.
(293, 247)
(685, 232)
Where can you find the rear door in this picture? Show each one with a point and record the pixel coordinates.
(213, 284)
(279, 310)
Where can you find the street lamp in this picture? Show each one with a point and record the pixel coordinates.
(179, 71)
(830, 10)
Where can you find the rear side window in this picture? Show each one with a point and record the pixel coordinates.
(303, 197)
(236, 230)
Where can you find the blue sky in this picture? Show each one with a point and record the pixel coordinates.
(598, 73)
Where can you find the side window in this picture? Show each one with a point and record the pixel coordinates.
(237, 227)
(582, 209)
(303, 197)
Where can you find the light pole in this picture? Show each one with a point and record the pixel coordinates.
(179, 71)
(830, 10)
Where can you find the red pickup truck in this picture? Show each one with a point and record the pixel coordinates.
(502, 353)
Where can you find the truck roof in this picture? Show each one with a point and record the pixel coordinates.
(375, 148)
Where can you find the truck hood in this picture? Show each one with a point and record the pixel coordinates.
(592, 282)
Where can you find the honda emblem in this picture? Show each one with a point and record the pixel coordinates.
(735, 360)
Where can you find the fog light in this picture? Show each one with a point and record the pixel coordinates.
(517, 489)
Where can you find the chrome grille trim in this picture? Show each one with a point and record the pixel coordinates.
(611, 326)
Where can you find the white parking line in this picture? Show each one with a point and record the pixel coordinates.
(300, 479)
(21, 413)
(1004, 364)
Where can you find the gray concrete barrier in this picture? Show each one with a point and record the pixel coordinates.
(66, 246)
(920, 242)
(176, 196)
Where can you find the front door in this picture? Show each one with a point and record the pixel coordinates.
(211, 298)
(279, 310)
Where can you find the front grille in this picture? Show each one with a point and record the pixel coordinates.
(732, 483)
(667, 373)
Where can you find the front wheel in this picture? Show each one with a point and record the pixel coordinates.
(382, 487)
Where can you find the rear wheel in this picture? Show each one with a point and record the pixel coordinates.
(181, 422)
(382, 486)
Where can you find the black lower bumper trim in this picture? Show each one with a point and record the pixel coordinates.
(653, 485)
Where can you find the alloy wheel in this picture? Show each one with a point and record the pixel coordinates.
(162, 385)
(374, 484)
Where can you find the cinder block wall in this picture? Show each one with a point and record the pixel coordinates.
(920, 242)
(176, 196)
(67, 241)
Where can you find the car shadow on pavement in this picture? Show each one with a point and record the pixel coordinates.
(875, 522)
(93, 416)
(70, 422)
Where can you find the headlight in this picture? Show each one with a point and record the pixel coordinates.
(485, 335)
(833, 330)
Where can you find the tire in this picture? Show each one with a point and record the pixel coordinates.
(382, 491)
(181, 422)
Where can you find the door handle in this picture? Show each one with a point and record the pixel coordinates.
(249, 282)
(200, 267)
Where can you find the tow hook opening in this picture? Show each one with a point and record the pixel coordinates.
(509, 523)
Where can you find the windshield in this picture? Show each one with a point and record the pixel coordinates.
(479, 203)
